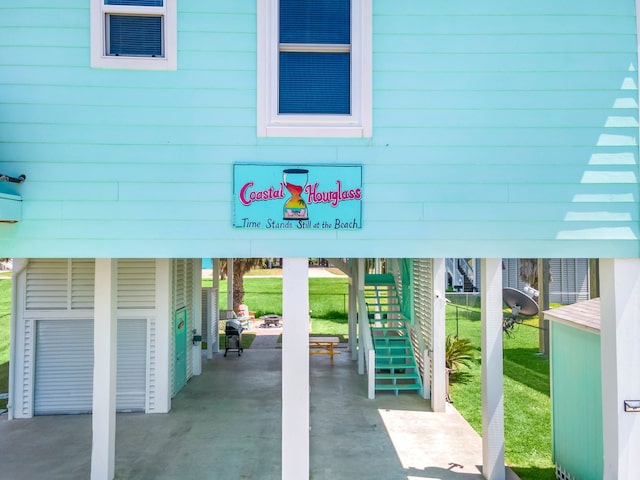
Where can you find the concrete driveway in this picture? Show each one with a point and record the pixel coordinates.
(225, 424)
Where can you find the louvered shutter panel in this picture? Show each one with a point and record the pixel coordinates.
(205, 298)
(64, 366)
(509, 274)
(132, 367)
(555, 287)
(82, 283)
(423, 305)
(582, 279)
(136, 284)
(47, 284)
(188, 290)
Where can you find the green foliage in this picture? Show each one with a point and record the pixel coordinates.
(458, 353)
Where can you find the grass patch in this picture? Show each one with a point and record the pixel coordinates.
(5, 327)
(328, 297)
(335, 327)
(527, 406)
(246, 339)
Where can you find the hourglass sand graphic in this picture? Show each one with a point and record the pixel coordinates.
(295, 208)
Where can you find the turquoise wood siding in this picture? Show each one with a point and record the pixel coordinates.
(577, 401)
(500, 128)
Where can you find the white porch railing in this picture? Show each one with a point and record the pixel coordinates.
(368, 355)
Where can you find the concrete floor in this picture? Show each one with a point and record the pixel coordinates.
(225, 424)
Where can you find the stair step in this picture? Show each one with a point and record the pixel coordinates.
(408, 386)
(388, 329)
(386, 313)
(400, 376)
(399, 324)
(386, 318)
(379, 279)
(388, 324)
(394, 341)
(394, 367)
(383, 309)
(393, 356)
(397, 348)
(385, 353)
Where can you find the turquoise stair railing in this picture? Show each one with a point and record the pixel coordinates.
(395, 364)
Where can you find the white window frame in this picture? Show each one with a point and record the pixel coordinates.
(99, 59)
(272, 124)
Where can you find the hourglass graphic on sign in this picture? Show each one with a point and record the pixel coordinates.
(295, 208)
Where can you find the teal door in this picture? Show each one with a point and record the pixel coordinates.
(180, 359)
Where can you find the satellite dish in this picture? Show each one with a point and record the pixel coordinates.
(515, 299)
(520, 304)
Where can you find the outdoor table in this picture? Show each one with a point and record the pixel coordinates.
(323, 346)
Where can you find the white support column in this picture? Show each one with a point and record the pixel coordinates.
(196, 301)
(229, 283)
(361, 316)
(215, 313)
(492, 390)
(105, 334)
(620, 357)
(439, 382)
(353, 313)
(163, 356)
(295, 369)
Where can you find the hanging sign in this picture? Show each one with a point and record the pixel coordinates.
(297, 197)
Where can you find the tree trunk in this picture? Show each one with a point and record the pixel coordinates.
(240, 268)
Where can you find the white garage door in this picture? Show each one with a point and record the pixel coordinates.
(64, 366)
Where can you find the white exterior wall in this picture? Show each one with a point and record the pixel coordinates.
(620, 357)
(62, 289)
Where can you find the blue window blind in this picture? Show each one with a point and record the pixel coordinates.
(135, 35)
(137, 3)
(313, 81)
(314, 21)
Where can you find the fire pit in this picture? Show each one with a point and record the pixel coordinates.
(269, 320)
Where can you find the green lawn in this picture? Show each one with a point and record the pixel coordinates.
(5, 320)
(527, 406)
(327, 301)
(327, 296)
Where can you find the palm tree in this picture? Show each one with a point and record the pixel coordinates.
(241, 267)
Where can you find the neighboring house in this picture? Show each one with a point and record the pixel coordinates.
(407, 130)
(569, 278)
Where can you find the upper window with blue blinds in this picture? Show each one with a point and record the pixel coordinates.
(314, 57)
(134, 35)
(137, 35)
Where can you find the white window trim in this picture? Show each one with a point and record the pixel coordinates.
(272, 124)
(170, 35)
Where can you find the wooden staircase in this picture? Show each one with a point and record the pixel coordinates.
(396, 368)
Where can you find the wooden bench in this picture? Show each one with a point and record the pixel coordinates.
(323, 346)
